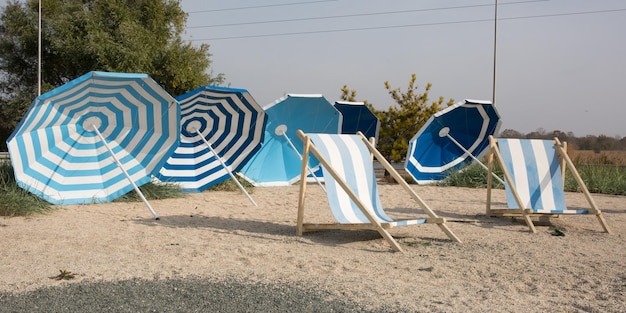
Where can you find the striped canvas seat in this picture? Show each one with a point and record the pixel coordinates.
(351, 186)
(533, 171)
(351, 160)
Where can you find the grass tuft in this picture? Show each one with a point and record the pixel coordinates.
(153, 191)
(230, 185)
(16, 201)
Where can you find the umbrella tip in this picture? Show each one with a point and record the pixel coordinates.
(157, 218)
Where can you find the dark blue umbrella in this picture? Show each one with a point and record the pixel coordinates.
(357, 117)
(451, 139)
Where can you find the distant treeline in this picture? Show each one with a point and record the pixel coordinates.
(589, 142)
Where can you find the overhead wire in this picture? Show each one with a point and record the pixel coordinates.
(364, 14)
(408, 25)
(260, 6)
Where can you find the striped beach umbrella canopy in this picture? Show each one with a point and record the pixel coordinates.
(58, 151)
(278, 162)
(451, 139)
(231, 122)
(357, 117)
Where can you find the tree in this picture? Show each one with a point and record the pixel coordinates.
(79, 36)
(510, 133)
(401, 121)
(539, 133)
(350, 95)
(589, 142)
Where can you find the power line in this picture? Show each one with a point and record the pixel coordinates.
(363, 14)
(261, 6)
(408, 25)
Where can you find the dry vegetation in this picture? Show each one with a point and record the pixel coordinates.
(603, 157)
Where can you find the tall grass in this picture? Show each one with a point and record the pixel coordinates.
(16, 201)
(473, 176)
(602, 171)
(599, 178)
(617, 157)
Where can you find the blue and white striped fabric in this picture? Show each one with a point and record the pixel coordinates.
(58, 156)
(230, 120)
(535, 170)
(350, 159)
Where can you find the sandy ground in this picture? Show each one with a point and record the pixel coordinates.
(499, 267)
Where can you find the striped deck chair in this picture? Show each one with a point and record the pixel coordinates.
(534, 177)
(351, 186)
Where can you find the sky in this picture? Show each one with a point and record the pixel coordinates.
(560, 64)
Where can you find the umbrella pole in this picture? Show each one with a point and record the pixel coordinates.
(226, 168)
(300, 156)
(119, 164)
(473, 157)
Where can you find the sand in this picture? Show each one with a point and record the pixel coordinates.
(215, 237)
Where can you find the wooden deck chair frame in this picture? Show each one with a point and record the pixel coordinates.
(527, 213)
(374, 224)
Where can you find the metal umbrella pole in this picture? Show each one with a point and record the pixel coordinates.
(473, 157)
(225, 167)
(119, 164)
(284, 134)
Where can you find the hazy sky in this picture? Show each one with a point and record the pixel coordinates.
(561, 64)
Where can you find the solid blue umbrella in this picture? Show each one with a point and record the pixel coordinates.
(95, 138)
(357, 117)
(451, 139)
(278, 162)
(222, 128)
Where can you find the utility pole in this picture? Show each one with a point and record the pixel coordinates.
(495, 48)
(39, 54)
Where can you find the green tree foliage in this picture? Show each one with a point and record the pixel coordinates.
(350, 95)
(401, 121)
(78, 36)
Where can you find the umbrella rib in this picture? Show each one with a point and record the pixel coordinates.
(119, 164)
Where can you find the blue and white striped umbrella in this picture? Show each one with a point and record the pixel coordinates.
(230, 121)
(451, 139)
(58, 155)
(357, 117)
(278, 162)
